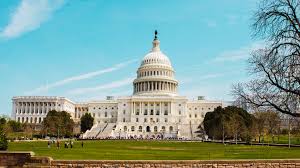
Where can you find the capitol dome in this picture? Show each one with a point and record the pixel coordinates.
(155, 76)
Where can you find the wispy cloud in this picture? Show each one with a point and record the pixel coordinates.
(29, 15)
(239, 54)
(112, 85)
(80, 77)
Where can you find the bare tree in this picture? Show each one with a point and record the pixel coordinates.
(276, 67)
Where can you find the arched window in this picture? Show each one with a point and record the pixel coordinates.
(132, 128)
(151, 112)
(163, 128)
(148, 129)
(125, 128)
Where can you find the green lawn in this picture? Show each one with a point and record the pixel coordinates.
(155, 150)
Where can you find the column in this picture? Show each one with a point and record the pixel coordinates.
(14, 111)
(141, 109)
(160, 108)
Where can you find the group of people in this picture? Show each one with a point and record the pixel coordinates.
(68, 144)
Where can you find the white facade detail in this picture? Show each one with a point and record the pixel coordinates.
(155, 110)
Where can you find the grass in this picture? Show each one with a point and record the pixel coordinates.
(282, 139)
(155, 150)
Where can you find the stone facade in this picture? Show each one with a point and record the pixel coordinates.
(154, 110)
(26, 159)
(181, 164)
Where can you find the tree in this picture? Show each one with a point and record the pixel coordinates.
(15, 126)
(267, 122)
(86, 122)
(58, 124)
(229, 122)
(275, 67)
(3, 139)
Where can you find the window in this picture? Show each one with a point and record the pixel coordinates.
(157, 120)
(151, 112)
(146, 112)
(145, 119)
(124, 111)
(137, 119)
(166, 112)
(123, 119)
(155, 128)
(195, 115)
(166, 120)
(166, 104)
(94, 114)
(151, 104)
(157, 112)
(105, 114)
(94, 108)
(171, 128)
(132, 128)
(140, 128)
(190, 116)
(124, 104)
(179, 120)
(157, 105)
(146, 104)
(179, 104)
(179, 112)
(163, 128)
(125, 128)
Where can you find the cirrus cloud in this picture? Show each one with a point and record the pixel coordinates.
(29, 15)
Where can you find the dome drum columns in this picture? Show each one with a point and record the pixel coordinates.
(152, 86)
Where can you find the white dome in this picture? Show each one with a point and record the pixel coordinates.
(156, 56)
(155, 76)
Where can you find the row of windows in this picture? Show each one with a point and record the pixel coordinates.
(154, 73)
(146, 120)
(36, 103)
(106, 108)
(202, 115)
(151, 112)
(32, 111)
(151, 104)
(30, 120)
(201, 108)
(148, 129)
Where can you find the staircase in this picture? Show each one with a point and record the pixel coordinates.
(94, 131)
(106, 131)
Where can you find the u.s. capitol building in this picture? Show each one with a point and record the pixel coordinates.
(154, 110)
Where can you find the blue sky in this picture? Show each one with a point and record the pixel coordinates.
(87, 49)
